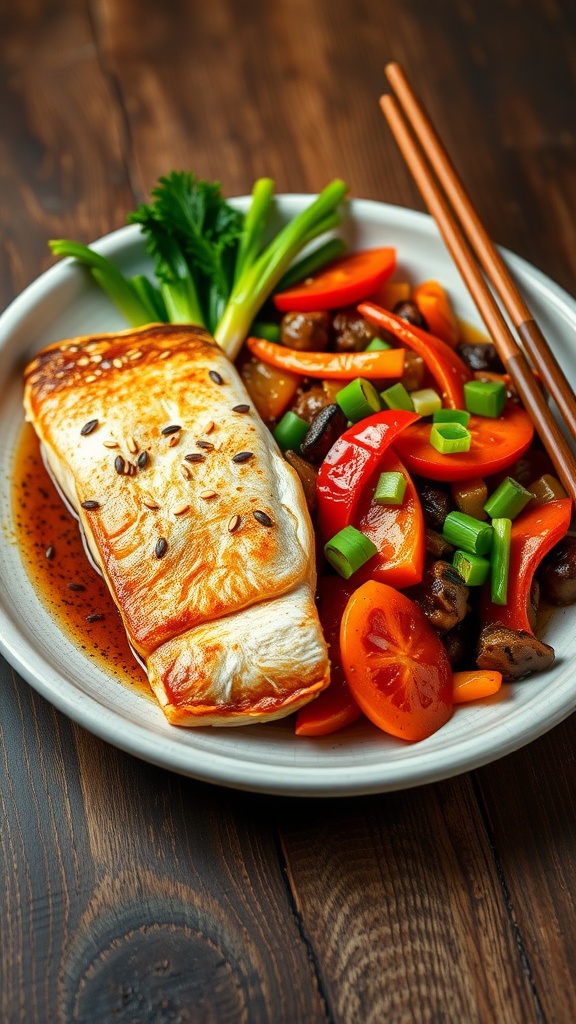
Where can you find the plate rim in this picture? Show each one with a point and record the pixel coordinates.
(301, 780)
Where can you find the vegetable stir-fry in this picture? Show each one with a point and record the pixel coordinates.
(439, 519)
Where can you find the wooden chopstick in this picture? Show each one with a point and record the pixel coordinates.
(531, 336)
(510, 352)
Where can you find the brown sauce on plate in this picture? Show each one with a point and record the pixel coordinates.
(53, 556)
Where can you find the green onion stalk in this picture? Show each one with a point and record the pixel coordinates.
(258, 281)
(209, 265)
(111, 280)
(253, 227)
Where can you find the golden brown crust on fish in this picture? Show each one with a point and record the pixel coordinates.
(189, 511)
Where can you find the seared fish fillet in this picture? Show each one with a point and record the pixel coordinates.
(195, 520)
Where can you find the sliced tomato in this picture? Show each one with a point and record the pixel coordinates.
(395, 664)
(397, 531)
(335, 707)
(496, 444)
(349, 466)
(341, 283)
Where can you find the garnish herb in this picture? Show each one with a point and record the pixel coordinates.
(211, 262)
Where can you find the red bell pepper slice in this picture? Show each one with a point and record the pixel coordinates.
(335, 707)
(349, 466)
(448, 370)
(341, 283)
(397, 531)
(534, 534)
(496, 444)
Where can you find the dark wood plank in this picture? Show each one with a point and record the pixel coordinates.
(405, 910)
(115, 907)
(499, 83)
(62, 170)
(130, 894)
(253, 88)
(531, 805)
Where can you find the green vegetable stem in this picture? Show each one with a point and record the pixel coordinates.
(258, 281)
(211, 265)
(111, 280)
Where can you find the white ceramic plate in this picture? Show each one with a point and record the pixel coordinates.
(270, 758)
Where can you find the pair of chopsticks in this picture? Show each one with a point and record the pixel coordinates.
(473, 252)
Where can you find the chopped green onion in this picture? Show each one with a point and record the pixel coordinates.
(451, 416)
(426, 401)
(348, 550)
(321, 227)
(396, 397)
(485, 397)
(500, 559)
(309, 264)
(377, 345)
(473, 569)
(290, 432)
(508, 500)
(449, 438)
(358, 399)
(465, 532)
(270, 331)
(390, 489)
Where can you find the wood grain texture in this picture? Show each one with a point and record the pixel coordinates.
(531, 805)
(129, 894)
(59, 173)
(401, 897)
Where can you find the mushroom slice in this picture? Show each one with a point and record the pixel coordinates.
(513, 652)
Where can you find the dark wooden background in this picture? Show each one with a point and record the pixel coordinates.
(128, 894)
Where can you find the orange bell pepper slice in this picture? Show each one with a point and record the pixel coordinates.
(436, 308)
(475, 684)
(387, 364)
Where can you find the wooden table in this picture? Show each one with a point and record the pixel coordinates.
(129, 894)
